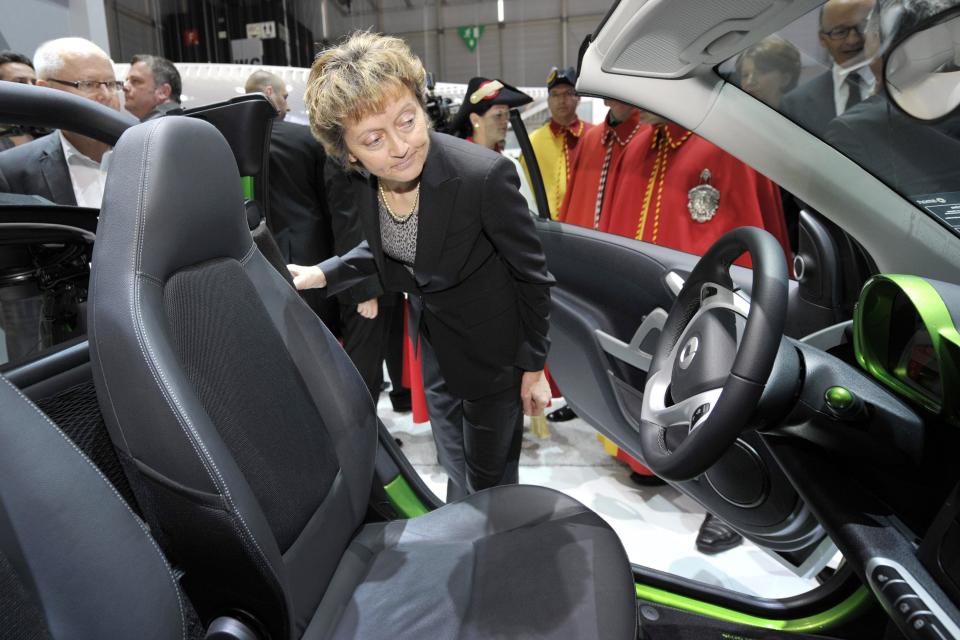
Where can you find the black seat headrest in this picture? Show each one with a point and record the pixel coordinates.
(159, 170)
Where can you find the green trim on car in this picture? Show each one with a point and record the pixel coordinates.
(871, 322)
(843, 612)
(247, 182)
(404, 500)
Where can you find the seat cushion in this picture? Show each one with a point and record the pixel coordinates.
(509, 562)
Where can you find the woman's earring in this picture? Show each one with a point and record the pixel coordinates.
(476, 124)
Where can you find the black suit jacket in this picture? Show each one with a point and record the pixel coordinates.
(480, 272)
(915, 159)
(298, 212)
(343, 189)
(38, 168)
(811, 105)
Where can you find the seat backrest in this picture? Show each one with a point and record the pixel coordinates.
(75, 562)
(252, 431)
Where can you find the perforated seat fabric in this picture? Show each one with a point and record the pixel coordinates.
(254, 438)
(75, 562)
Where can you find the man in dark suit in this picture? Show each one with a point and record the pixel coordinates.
(65, 167)
(38, 168)
(272, 86)
(916, 159)
(152, 87)
(297, 212)
(814, 104)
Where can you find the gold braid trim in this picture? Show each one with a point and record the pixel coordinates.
(664, 143)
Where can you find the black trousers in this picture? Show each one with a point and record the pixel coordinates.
(478, 441)
(369, 342)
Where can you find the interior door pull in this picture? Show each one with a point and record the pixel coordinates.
(631, 353)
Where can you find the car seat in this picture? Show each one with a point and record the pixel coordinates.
(253, 438)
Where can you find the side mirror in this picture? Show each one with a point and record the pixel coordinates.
(921, 72)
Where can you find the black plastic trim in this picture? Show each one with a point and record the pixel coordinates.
(44, 107)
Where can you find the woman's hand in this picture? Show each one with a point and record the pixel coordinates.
(368, 308)
(534, 392)
(307, 277)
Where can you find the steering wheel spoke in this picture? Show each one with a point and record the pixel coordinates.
(716, 351)
(716, 296)
(690, 412)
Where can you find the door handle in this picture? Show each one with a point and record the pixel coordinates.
(632, 353)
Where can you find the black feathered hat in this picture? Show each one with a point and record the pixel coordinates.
(483, 93)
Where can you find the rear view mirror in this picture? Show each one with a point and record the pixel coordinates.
(922, 74)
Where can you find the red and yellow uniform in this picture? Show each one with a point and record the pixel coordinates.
(607, 161)
(675, 162)
(555, 146)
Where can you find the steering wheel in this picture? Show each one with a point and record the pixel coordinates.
(695, 403)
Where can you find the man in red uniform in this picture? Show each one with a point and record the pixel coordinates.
(607, 161)
(642, 177)
(692, 192)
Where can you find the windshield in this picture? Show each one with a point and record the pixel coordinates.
(825, 72)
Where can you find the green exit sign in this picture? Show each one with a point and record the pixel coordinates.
(471, 35)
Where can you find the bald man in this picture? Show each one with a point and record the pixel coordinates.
(272, 86)
(814, 104)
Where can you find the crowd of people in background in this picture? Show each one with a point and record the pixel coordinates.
(634, 174)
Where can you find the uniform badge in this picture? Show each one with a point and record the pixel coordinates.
(703, 200)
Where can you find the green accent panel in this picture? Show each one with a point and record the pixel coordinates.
(858, 601)
(871, 323)
(404, 500)
(247, 182)
(838, 398)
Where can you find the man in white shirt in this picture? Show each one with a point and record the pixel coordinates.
(65, 167)
(814, 104)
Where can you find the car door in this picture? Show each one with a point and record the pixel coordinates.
(608, 306)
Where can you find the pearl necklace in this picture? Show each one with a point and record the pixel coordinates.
(396, 218)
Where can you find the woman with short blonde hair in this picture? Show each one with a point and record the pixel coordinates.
(444, 222)
(357, 79)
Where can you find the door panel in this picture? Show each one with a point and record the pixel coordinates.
(607, 286)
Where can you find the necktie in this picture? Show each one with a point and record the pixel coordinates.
(853, 87)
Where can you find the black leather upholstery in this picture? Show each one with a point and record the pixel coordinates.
(567, 571)
(84, 558)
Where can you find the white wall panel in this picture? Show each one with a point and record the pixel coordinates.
(520, 11)
(530, 50)
(578, 29)
(521, 51)
(588, 7)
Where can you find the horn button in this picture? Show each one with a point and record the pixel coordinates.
(705, 354)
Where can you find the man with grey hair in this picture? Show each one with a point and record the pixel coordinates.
(918, 160)
(65, 167)
(272, 86)
(814, 104)
(152, 87)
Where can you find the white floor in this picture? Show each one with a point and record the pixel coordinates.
(658, 525)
